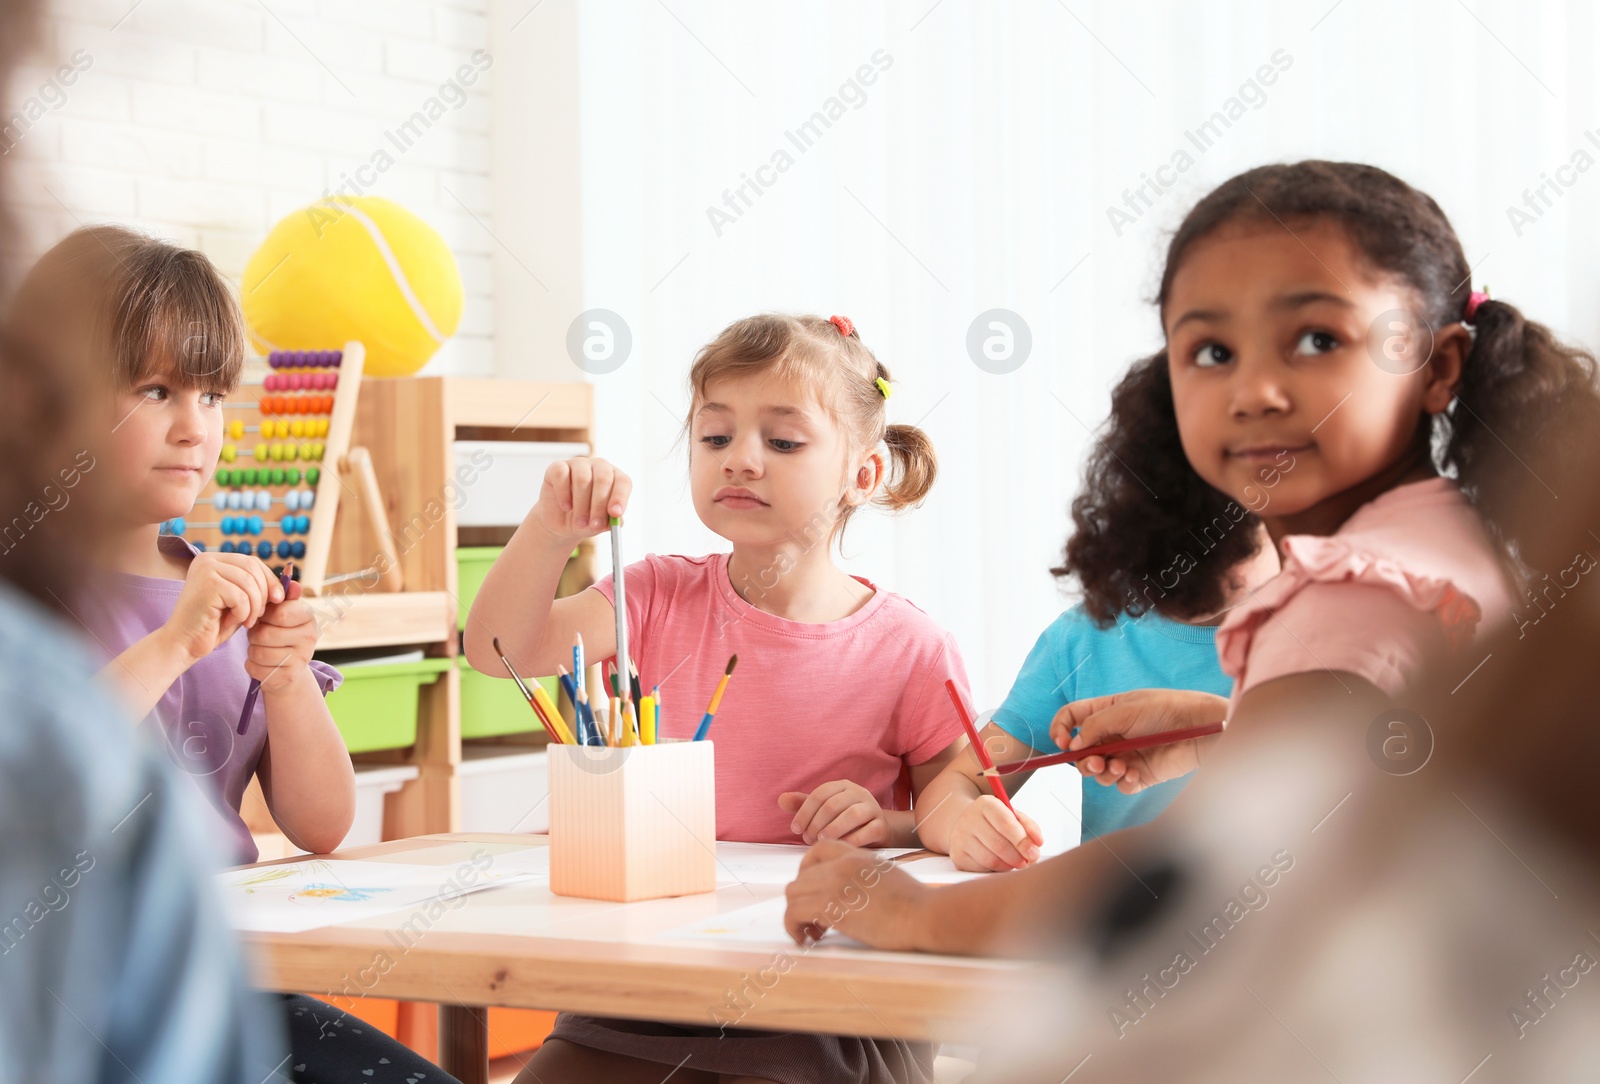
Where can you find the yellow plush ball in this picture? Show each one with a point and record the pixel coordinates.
(354, 267)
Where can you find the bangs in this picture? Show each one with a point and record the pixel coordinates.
(772, 346)
(177, 321)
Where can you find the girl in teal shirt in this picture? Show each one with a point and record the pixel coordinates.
(1151, 604)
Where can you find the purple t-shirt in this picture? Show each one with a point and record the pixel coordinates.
(199, 714)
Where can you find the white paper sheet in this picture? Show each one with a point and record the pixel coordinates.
(758, 924)
(299, 896)
(936, 869)
(768, 863)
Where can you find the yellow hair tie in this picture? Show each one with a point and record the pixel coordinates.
(883, 387)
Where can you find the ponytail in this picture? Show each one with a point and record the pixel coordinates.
(1523, 429)
(913, 468)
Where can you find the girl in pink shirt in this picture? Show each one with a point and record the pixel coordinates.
(1324, 347)
(837, 715)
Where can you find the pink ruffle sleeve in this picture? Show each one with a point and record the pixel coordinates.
(1340, 606)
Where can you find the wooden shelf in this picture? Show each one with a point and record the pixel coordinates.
(519, 404)
(378, 619)
(410, 425)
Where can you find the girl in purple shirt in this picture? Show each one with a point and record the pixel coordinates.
(187, 631)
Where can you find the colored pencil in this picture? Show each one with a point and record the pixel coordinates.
(716, 700)
(564, 679)
(633, 683)
(978, 750)
(588, 733)
(579, 674)
(554, 725)
(285, 577)
(1108, 749)
(554, 714)
(647, 720)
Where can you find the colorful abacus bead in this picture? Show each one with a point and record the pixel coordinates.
(313, 474)
(229, 453)
(264, 550)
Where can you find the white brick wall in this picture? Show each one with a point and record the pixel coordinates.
(206, 121)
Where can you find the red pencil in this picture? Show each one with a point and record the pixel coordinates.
(1108, 749)
(977, 746)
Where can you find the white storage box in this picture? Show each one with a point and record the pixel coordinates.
(504, 791)
(500, 479)
(373, 785)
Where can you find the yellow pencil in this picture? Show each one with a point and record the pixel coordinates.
(647, 720)
(554, 713)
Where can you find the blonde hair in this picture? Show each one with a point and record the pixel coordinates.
(843, 372)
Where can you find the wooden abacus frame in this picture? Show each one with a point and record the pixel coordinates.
(311, 569)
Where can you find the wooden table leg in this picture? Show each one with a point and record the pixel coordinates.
(464, 1043)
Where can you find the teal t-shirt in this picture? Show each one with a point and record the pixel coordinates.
(1075, 660)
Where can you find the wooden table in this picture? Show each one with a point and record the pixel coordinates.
(479, 954)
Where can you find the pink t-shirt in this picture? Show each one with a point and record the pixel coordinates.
(1409, 580)
(860, 698)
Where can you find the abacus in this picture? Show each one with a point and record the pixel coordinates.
(276, 488)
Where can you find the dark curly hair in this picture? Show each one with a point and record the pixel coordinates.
(1149, 533)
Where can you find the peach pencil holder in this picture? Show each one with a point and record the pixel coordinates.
(633, 823)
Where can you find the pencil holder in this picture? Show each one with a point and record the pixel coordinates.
(633, 823)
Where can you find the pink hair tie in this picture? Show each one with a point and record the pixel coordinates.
(846, 328)
(1474, 299)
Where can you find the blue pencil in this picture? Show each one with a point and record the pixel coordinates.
(582, 720)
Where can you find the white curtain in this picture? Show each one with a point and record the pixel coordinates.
(977, 172)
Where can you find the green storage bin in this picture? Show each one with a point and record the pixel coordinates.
(472, 565)
(376, 707)
(491, 706)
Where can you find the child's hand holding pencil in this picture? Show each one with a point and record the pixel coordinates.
(579, 496)
(988, 838)
(1138, 714)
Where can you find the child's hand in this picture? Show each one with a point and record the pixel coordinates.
(987, 838)
(1132, 715)
(838, 810)
(281, 642)
(859, 893)
(222, 593)
(579, 497)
